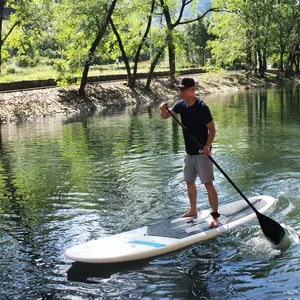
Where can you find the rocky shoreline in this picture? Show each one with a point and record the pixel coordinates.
(24, 105)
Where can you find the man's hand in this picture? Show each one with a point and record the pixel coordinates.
(163, 111)
(206, 150)
(163, 106)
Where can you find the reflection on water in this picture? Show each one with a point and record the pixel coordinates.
(66, 180)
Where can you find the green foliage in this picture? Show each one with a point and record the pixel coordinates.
(31, 25)
(195, 37)
(77, 24)
(11, 70)
(248, 31)
(130, 19)
(26, 61)
(61, 33)
(230, 42)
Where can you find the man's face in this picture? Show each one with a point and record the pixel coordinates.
(186, 92)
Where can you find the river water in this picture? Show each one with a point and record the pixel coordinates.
(67, 180)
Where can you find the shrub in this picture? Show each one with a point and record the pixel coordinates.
(25, 61)
(11, 70)
(53, 54)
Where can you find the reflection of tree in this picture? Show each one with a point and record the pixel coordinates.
(249, 101)
(263, 102)
(297, 100)
(175, 138)
(260, 99)
(9, 189)
(35, 171)
(292, 99)
(281, 101)
(17, 225)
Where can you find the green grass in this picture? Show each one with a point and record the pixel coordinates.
(44, 71)
(35, 73)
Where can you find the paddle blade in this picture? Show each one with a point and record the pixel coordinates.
(271, 229)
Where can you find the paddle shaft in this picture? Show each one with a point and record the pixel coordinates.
(215, 163)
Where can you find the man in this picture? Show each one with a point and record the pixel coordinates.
(196, 117)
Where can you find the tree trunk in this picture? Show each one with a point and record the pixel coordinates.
(96, 42)
(130, 82)
(172, 66)
(280, 65)
(249, 61)
(87, 64)
(2, 4)
(254, 64)
(171, 48)
(261, 71)
(144, 39)
(297, 60)
(291, 60)
(264, 57)
(153, 65)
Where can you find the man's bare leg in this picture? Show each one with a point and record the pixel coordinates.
(213, 201)
(192, 194)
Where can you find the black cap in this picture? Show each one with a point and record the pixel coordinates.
(186, 83)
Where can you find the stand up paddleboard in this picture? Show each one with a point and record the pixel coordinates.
(167, 235)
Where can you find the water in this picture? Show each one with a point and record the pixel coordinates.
(67, 180)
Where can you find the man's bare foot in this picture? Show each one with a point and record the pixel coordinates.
(190, 214)
(214, 223)
(215, 219)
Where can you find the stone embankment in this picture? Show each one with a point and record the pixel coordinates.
(21, 105)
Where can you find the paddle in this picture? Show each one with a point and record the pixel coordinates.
(271, 229)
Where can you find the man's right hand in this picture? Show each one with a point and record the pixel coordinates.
(163, 111)
(163, 106)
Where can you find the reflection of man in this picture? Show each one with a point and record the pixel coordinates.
(195, 115)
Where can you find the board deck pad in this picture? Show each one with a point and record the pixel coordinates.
(167, 235)
(186, 227)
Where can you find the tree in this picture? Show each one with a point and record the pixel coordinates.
(230, 44)
(81, 26)
(286, 27)
(131, 32)
(14, 23)
(174, 17)
(33, 32)
(101, 31)
(195, 37)
(267, 29)
(157, 49)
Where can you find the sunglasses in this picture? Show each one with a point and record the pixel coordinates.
(182, 89)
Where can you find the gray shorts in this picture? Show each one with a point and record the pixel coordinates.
(197, 165)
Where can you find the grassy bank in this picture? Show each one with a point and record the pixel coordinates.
(42, 71)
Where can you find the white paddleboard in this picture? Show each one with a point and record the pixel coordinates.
(167, 235)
